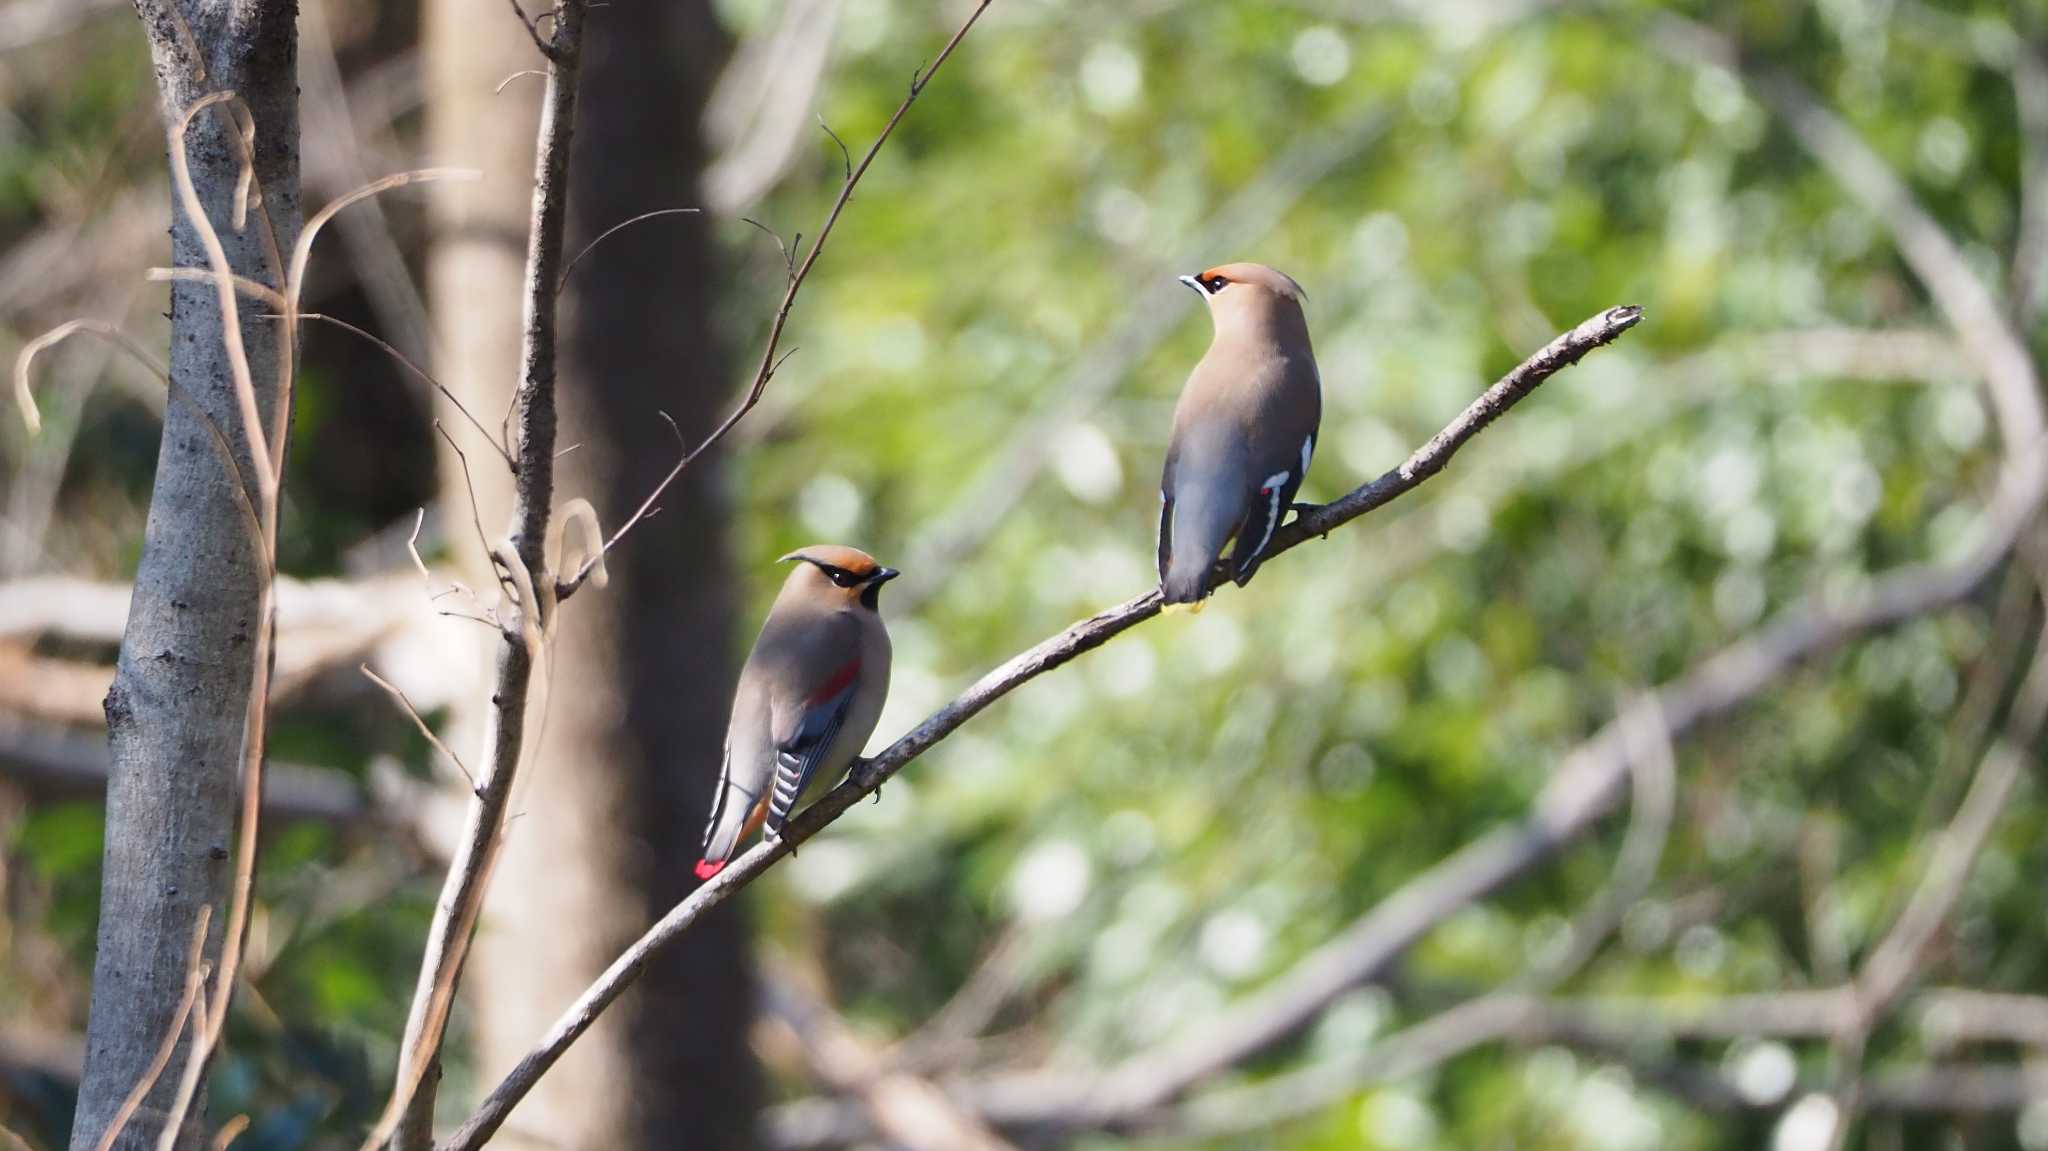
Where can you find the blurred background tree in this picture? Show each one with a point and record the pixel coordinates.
(988, 361)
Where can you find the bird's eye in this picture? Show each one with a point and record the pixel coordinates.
(1217, 284)
(842, 578)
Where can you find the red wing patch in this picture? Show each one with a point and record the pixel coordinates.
(840, 681)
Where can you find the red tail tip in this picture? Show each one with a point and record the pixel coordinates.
(707, 868)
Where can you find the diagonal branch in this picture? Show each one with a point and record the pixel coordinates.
(1082, 637)
(1586, 786)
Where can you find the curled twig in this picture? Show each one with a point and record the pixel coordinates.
(577, 514)
(507, 81)
(24, 363)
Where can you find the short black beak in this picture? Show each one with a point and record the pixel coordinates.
(1191, 282)
(883, 575)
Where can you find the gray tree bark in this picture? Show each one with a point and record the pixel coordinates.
(181, 688)
(607, 813)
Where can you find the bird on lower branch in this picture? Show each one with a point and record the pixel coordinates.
(808, 698)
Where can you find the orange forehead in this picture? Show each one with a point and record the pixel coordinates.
(853, 561)
(1244, 272)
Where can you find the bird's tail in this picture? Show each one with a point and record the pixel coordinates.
(1183, 586)
(1200, 530)
(735, 813)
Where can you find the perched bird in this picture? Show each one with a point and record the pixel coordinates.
(1243, 432)
(808, 697)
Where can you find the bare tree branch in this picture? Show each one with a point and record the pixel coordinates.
(769, 363)
(1082, 637)
(524, 562)
(196, 969)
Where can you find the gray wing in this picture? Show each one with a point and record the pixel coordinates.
(797, 757)
(1266, 508)
(1166, 471)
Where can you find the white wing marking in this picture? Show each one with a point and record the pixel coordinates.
(1272, 488)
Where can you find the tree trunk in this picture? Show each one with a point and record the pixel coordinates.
(607, 816)
(180, 698)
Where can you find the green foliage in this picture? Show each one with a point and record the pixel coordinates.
(1175, 819)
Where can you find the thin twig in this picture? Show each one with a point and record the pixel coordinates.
(302, 252)
(788, 260)
(496, 445)
(507, 81)
(200, 1049)
(231, 325)
(475, 517)
(419, 721)
(532, 26)
(24, 362)
(230, 1131)
(769, 363)
(412, 548)
(196, 969)
(621, 226)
